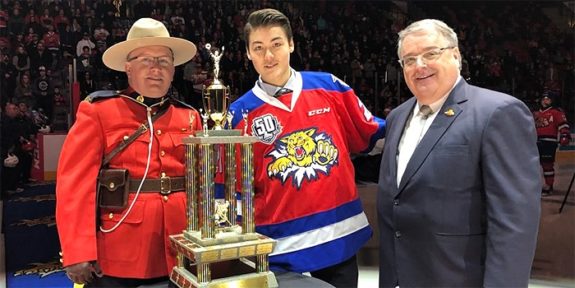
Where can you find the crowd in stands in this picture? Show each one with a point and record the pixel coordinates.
(517, 50)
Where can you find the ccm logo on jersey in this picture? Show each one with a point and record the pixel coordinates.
(318, 111)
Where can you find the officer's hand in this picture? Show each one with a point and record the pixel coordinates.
(81, 273)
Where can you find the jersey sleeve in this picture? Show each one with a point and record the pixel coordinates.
(362, 128)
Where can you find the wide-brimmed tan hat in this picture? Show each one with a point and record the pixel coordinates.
(148, 32)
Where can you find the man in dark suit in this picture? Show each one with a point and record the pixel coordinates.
(459, 188)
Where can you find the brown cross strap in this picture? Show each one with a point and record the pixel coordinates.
(131, 138)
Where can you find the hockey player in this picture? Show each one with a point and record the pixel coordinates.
(307, 123)
(552, 127)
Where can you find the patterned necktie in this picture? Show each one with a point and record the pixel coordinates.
(282, 91)
(425, 111)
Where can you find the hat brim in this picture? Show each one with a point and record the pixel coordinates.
(116, 56)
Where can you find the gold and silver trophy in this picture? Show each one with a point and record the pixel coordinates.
(216, 96)
(216, 250)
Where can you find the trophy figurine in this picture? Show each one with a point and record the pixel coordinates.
(220, 247)
(229, 118)
(205, 117)
(216, 96)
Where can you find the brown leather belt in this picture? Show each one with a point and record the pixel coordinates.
(164, 185)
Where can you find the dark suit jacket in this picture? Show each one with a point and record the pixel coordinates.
(466, 212)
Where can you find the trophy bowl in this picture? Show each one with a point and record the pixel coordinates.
(216, 99)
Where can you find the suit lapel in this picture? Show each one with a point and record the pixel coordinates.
(395, 135)
(445, 117)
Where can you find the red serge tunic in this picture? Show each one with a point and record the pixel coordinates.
(139, 247)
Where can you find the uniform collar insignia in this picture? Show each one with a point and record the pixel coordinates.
(130, 92)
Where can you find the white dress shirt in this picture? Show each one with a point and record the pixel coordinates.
(414, 131)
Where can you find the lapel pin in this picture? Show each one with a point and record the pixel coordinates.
(449, 112)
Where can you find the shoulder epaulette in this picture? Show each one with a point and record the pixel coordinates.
(102, 94)
(181, 104)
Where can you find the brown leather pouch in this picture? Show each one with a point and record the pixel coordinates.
(113, 188)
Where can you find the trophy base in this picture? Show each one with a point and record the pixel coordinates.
(199, 254)
(184, 278)
(222, 265)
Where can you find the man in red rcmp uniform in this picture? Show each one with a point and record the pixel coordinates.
(552, 127)
(129, 246)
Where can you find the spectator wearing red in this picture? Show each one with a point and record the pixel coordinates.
(31, 15)
(59, 99)
(61, 20)
(52, 39)
(3, 21)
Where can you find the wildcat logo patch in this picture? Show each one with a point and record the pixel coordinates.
(302, 155)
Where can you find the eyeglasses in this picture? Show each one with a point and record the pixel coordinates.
(149, 61)
(429, 56)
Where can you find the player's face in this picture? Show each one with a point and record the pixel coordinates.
(269, 49)
(546, 102)
(429, 80)
(150, 70)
